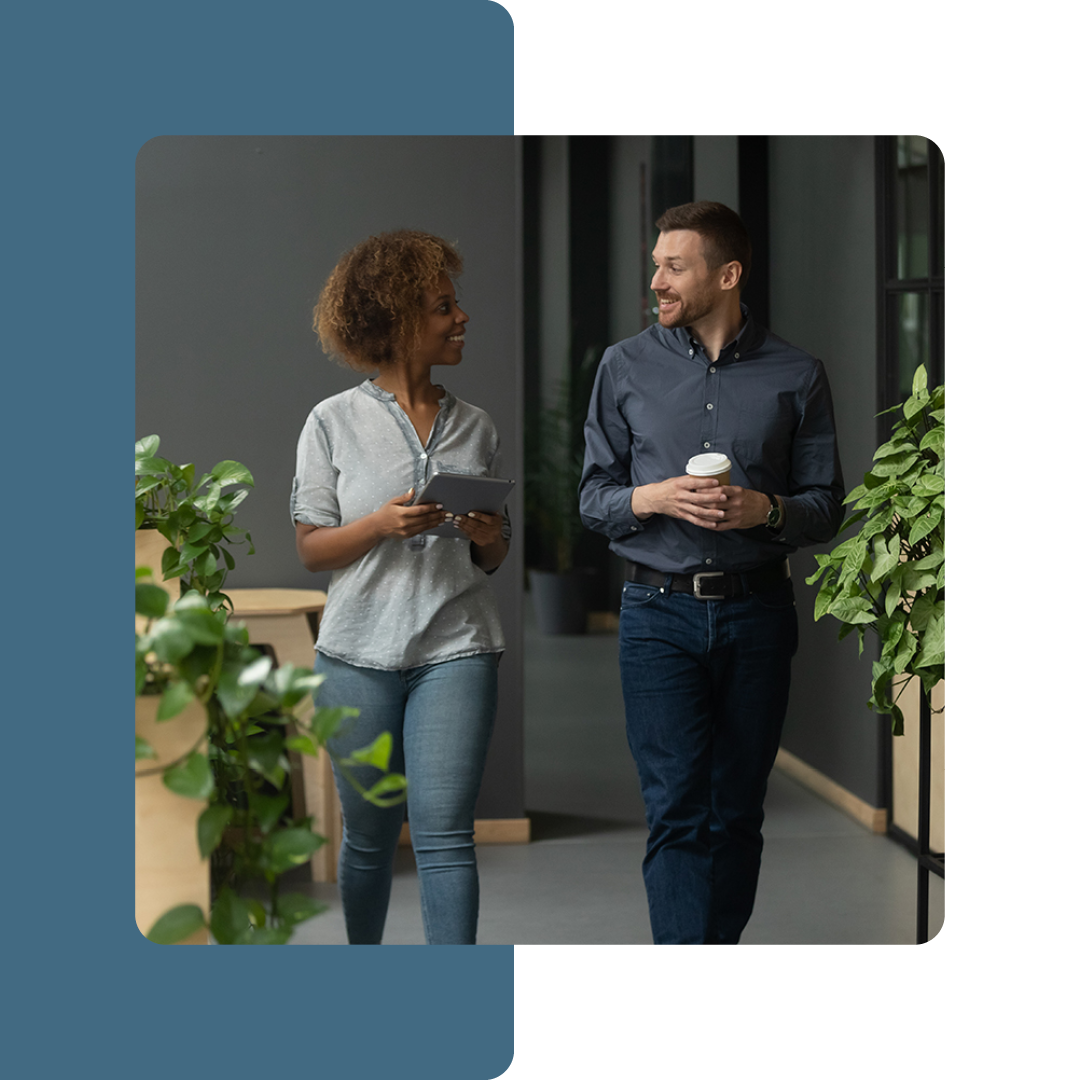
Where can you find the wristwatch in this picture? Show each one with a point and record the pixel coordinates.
(776, 515)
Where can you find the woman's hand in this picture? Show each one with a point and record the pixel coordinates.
(394, 518)
(334, 547)
(485, 531)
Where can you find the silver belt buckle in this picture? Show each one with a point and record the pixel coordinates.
(698, 578)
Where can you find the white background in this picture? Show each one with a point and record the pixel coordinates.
(993, 993)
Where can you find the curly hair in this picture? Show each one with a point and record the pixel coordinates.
(371, 308)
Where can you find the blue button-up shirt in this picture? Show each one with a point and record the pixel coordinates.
(658, 400)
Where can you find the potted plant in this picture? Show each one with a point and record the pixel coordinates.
(890, 576)
(239, 716)
(554, 460)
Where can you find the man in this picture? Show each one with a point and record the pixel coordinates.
(708, 628)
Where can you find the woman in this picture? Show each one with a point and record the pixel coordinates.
(410, 635)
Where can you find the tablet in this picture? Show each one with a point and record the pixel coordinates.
(460, 493)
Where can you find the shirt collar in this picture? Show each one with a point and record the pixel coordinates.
(378, 392)
(742, 343)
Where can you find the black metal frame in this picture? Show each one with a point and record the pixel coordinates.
(890, 392)
(890, 285)
(929, 861)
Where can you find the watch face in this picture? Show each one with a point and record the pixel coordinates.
(774, 517)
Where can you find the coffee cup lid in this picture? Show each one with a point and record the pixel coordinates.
(707, 464)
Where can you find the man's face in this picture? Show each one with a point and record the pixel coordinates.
(687, 291)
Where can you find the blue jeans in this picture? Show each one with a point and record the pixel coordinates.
(440, 717)
(705, 685)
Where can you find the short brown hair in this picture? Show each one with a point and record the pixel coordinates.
(372, 305)
(724, 236)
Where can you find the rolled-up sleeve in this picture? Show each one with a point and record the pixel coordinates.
(606, 487)
(314, 498)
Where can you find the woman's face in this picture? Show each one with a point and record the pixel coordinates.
(443, 337)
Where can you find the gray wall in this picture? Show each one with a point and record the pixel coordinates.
(235, 237)
(822, 253)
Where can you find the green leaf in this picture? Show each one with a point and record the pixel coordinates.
(148, 446)
(177, 697)
(150, 465)
(205, 564)
(170, 561)
(892, 597)
(290, 847)
(893, 466)
(151, 601)
(140, 674)
(327, 720)
(889, 448)
(389, 790)
(264, 753)
(934, 440)
(897, 720)
(256, 912)
(271, 935)
(268, 809)
(202, 625)
(140, 514)
(255, 672)
(177, 924)
(143, 750)
(824, 598)
(908, 506)
(913, 580)
(929, 484)
(905, 651)
(211, 827)
(303, 744)
(918, 383)
(170, 640)
(376, 753)
(234, 696)
(932, 649)
(925, 525)
(852, 610)
(884, 565)
(914, 405)
(229, 918)
(192, 778)
(295, 908)
(231, 472)
(928, 562)
(923, 610)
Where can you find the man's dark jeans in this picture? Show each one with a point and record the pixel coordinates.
(705, 685)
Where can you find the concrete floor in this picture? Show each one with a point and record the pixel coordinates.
(824, 880)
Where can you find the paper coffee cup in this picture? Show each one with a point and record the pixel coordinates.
(717, 466)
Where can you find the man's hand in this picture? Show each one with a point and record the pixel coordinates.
(702, 502)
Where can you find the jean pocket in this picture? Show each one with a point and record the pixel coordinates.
(635, 595)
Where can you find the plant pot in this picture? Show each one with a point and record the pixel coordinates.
(559, 601)
(150, 545)
(168, 868)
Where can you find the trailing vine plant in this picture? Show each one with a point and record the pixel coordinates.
(890, 576)
(188, 652)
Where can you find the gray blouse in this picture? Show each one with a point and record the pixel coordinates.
(411, 602)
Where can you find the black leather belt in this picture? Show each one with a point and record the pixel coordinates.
(714, 585)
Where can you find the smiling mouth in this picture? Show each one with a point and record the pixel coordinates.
(457, 339)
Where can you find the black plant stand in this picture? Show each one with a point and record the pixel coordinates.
(928, 860)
